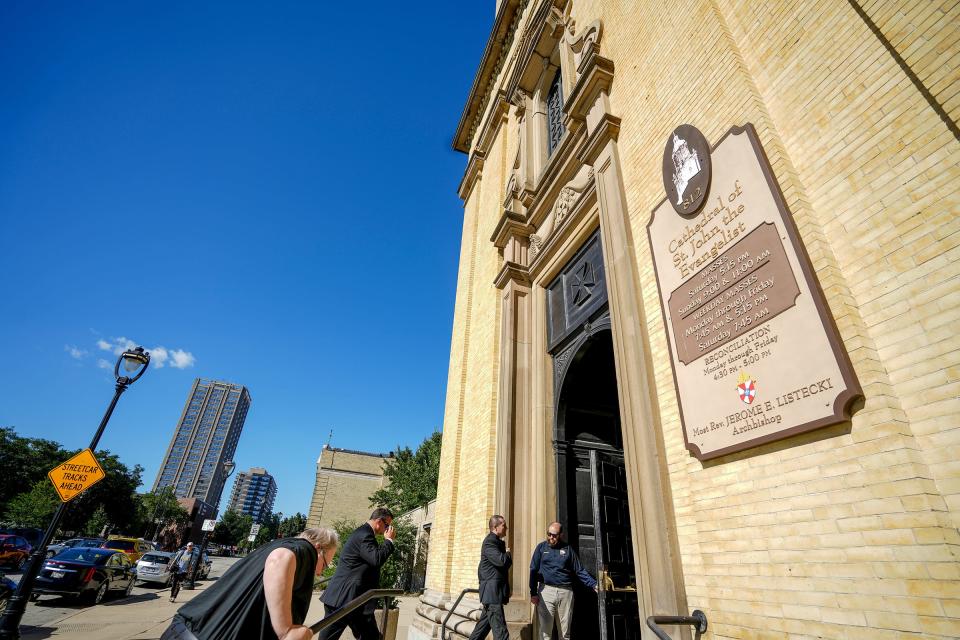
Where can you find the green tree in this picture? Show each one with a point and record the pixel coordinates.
(97, 522)
(233, 528)
(293, 525)
(116, 493)
(25, 461)
(158, 510)
(35, 507)
(269, 529)
(412, 477)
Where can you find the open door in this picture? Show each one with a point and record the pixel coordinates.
(619, 617)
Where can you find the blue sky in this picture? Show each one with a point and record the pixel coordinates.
(265, 191)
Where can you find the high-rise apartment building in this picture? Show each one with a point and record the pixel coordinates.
(253, 494)
(205, 438)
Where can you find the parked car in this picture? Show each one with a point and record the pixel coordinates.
(155, 566)
(14, 551)
(54, 549)
(86, 572)
(32, 535)
(7, 587)
(134, 548)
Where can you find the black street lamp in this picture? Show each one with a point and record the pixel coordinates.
(134, 362)
(228, 468)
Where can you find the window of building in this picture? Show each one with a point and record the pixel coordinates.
(554, 113)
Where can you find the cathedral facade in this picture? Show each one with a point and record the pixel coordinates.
(595, 381)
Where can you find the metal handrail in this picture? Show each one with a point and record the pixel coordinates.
(354, 604)
(443, 627)
(698, 620)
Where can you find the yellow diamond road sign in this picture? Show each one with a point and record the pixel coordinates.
(76, 475)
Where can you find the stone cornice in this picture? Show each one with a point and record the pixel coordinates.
(523, 74)
(596, 78)
(607, 129)
(511, 271)
(495, 117)
(501, 37)
(511, 224)
(474, 169)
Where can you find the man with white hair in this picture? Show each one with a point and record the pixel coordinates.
(265, 595)
(182, 566)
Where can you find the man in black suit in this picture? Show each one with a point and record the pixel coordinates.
(358, 571)
(495, 561)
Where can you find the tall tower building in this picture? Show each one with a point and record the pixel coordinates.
(253, 494)
(206, 436)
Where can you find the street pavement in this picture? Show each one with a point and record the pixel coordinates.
(144, 615)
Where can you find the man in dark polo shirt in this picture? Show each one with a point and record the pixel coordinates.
(553, 569)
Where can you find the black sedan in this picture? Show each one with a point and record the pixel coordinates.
(7, 587)
(86, 572)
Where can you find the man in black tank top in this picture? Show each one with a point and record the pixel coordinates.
(265, 596)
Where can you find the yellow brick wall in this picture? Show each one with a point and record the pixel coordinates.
(845, 532)
(344, 483)
(850, 531)
(467, 465)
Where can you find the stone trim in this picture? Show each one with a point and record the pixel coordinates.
(511, 224)
(511, 272)
(471, 175)
(501, 37)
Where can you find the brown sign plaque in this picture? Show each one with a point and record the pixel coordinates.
(755, 352)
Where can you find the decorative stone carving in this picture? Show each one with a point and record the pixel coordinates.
(536, 244)
(520, 99)
(512, 191)
(566, 201)
(562, 207)
(582, 44)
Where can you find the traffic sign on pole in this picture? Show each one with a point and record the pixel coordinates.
(254, 530)
(76, 475)
(209, 525)
(251, 537)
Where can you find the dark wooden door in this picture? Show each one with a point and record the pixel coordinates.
(618, 609)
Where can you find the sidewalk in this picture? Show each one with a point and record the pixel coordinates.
(141, 616)
(146, 616)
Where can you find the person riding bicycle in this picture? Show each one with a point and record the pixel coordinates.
(182, 565)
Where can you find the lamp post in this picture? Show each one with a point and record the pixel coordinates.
(228, 468)
(135, 363)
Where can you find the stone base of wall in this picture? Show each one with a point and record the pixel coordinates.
(434, 607)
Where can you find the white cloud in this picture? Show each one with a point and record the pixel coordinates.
(160, 356)
(75, 352)
(182, 359)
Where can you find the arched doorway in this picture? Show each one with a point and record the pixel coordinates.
(592, 483)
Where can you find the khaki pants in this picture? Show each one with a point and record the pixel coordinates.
(556, 603)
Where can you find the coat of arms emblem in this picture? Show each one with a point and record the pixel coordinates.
(746, 388)
(686, 169)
